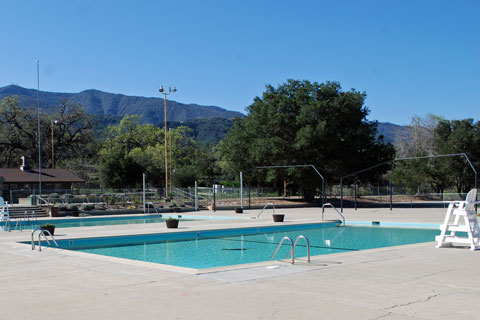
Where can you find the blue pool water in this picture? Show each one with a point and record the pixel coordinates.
(207, 249)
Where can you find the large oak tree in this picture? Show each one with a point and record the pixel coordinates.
(300, 123)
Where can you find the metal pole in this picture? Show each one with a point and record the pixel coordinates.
(39, 140)
(355, 193)
(323, 193)
(391, 190)
(144, 193)
(53, 152)
(241, 190)
(214, 199)
(196, 196)
(341, 195)
(166, 150)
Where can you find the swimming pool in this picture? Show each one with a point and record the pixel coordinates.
(215, 248)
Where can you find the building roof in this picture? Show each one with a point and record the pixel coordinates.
(15, 175)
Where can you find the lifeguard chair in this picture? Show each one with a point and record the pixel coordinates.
(4, 215)
(464, 220)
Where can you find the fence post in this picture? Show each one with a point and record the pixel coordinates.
(355, 194)
(241, 190)
(214, 199)
(144, 193)
(341, 194)
(196, 196)
(391, 188)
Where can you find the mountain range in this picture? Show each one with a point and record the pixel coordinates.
(103, 103)
(209, 124)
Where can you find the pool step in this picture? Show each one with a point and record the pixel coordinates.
(17, 212)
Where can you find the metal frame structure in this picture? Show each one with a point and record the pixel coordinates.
(300, 166)
(393, 164)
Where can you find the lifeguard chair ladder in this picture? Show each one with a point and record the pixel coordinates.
(461, 210)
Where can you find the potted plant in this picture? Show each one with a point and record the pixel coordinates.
(278, 217)
(172, 223)
(48, 226)
(53, 211)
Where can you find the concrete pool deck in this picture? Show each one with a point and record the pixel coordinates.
(404, 282)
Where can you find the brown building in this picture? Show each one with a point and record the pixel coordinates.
(21, 182)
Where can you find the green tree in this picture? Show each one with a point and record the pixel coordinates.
(73, 135)
(420, 175)
(433, 136)
(459, 136)
(305, 123)
(131, 149)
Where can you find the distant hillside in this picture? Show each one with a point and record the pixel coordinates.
(209, 131)
(393, 132)
(208, 123)
(109, 104)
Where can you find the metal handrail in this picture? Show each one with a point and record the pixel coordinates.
(32, 235)
(153, 207)
(45, 201)
(291, 250)
(308, 246)
(331, 205)
(184, 193)
(43, 233)
(270, 203)
(19, 221)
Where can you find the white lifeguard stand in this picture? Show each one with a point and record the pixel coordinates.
(4, 215)
(465, 220)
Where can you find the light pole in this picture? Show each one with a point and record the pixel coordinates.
(53, 152)
(39, 140)
(171, 90)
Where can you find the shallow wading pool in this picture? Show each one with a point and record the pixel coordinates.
(216, 248)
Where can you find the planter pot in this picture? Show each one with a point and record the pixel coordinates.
(238, 210)
(53, 211)
(171, 224)
(51, 229)
(176, 209)
(278, 217)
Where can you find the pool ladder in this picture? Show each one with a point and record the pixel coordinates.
(331, 205)
(268, 204)
(292, 250)
(45, 234)
(26, 219)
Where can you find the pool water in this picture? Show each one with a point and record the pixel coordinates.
(209, 249)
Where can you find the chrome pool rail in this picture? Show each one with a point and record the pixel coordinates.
(26, 219)
(291, 250)
(45, 234)
(268, 204)
(308, 245)
(151, 205)
(331, 205)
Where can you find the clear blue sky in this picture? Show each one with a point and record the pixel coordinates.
(410, 57)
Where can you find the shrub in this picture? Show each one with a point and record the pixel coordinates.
(72, 208)
(87, 207)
